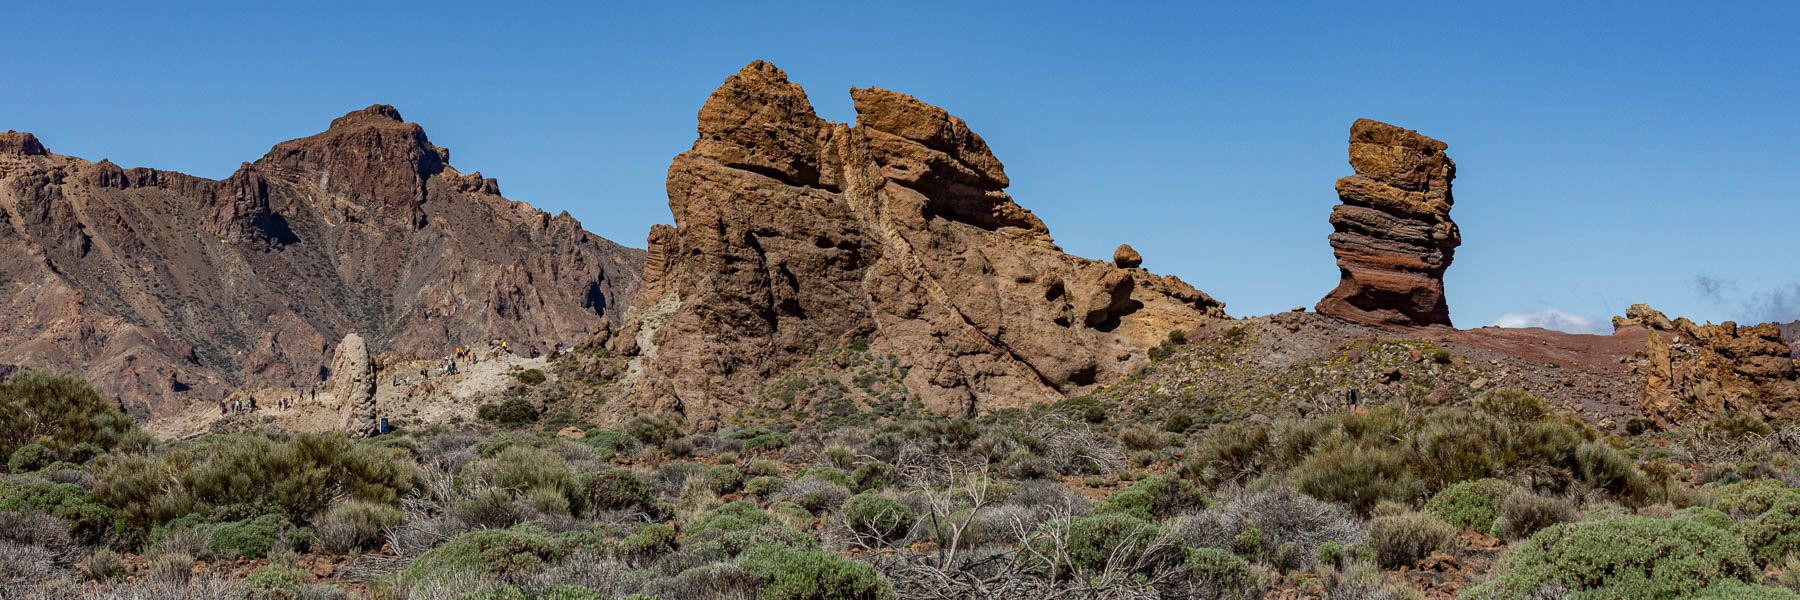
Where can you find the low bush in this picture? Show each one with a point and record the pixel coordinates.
(789, 574)
(1073, 547)
(1155, 498)
(1753, 497)
(1774, 534)
(1358, 477)
(1470, 504)
(758, 439)
(724, 479)
(873, 475)
(1604, 467)
(1706, 516)
(504, 554)
(878, 516)
(1625, 557)
(514, 411)
(88, 519)
(255, 537)
(653, 430)
(762, 487)
(354, 526)
(1523, 513)
(1215, 573)
(813, 494)
(614, 489)
(1402, 540)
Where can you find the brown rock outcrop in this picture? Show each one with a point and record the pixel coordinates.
(1393, 234)
(1693, 373)
(166, 289)
(353, 386)
(794, 235)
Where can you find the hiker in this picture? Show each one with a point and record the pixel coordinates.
(253, 404)
(222, 411)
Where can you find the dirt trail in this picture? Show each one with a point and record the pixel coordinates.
(402, 395)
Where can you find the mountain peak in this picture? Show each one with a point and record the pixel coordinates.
(375, 113)
(19, 143)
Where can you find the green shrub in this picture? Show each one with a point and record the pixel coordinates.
(355, 526)
(254, 538)
(1331, 554)
(1706, 516)
(615, 489)
(1604, 467)
(1626, 557)
(29, 458)
(1523, 513)
(529, 376)
(560, 592)
(1360, 478)
(88, 519)
(1737, 590)
(512, 412)
(274, 582)
(1773, 534)
(826, 474)
(502, 553)
(1753, 497)
(1218, 572)
(762, 440)
(1461, 444)
(1155, 498)
(1470, 504)
(723, 479)
(790, 574)
(1230, 452)
(652, 430)
(57, 411)
(871, 476)
(875, 515)
(652, 540)
(1076, 546)
(1402, 540)
(526, 470)
(1249, 541)
(298, 476)
(763, 486)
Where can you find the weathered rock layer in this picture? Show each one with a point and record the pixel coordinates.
(1693, 373)
(166, 289)
(1393, 235)
(794, 235)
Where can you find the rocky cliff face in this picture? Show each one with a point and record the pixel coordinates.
(1393, 235)
(795, 235)
(165, 289)
(1693, 373)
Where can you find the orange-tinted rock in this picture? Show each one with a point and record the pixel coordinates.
(794, 235)
(1393, 234)
(1693, 373)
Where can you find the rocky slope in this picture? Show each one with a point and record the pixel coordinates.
(1393, 234)
(165, 289)
(794, 235)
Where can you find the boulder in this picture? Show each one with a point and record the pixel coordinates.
(1127, 257)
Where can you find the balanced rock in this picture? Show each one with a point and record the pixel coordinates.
(1127, 257)
(795, 236)
(1393, 236)
(353, 385)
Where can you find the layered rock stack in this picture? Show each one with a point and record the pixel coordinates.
(1693, 373)
(794, 235)
(353, 385)
(1393, 235)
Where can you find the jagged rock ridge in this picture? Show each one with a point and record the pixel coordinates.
(794, 235)
(1393, 235)
(1693, 373)
(165, 289)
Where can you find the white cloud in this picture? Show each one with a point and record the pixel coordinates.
(1555, 319)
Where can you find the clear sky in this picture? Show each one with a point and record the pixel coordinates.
(1607, 153)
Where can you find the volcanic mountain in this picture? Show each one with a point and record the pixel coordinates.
(165, 289)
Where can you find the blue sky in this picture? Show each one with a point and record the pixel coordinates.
(1608, 153)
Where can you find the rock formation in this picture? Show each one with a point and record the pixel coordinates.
(1393, 235)
(1693, 373)
(353, 386)
(166, 289)
(795, 235)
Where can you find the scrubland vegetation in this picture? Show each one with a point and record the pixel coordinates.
(1077, 499)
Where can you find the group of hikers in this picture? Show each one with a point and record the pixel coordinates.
(248, 403)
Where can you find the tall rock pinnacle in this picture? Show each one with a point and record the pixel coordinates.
(353, 385)
(1393, 234)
